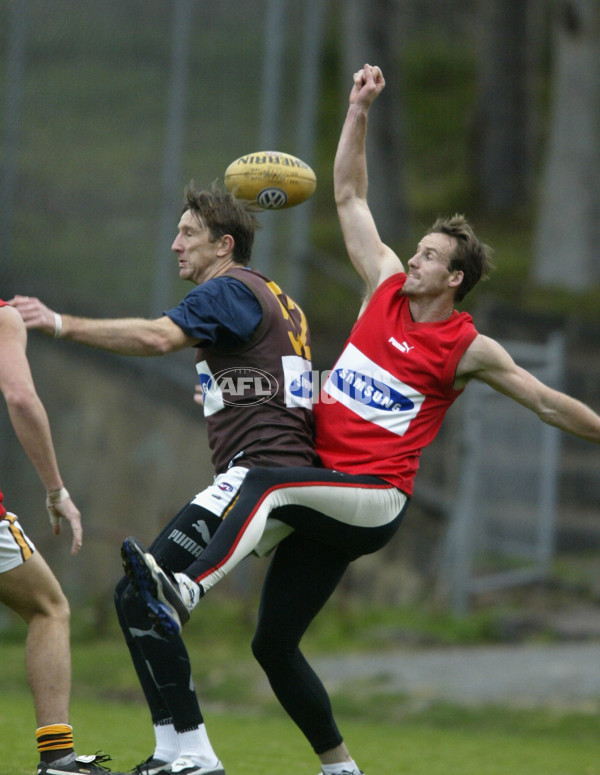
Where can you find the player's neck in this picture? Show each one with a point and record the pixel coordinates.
(430, 310)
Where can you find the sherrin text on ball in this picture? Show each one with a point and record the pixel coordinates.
(272, 179)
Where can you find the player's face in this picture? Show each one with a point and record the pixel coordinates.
(428, 273)
(197, 255)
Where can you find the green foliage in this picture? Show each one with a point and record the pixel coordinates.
(439, 97)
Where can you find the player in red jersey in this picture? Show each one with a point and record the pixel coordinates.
(409, 356)
(27, 585)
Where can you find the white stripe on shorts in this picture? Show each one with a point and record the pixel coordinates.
(359, 506)
(219, 497)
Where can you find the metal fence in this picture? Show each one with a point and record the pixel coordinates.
(501, 525)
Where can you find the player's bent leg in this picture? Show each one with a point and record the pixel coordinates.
(163, 664)
(138, 632)
(33, 592)
(179, 544)
(276, 641)
(356, 513)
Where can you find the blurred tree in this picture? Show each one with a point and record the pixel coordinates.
(371, 32)
(568, 230)
(510, 36)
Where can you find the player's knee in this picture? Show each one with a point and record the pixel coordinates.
(259, 648)
(60, 607)
(267, 650)
(53, 606)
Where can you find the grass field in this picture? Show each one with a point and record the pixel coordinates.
(443, 741)
(387, 735)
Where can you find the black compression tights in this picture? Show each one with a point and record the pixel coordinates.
(302, 575)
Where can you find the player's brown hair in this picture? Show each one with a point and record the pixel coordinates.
(471, 256)
(222, 214)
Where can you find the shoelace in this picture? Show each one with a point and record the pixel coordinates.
(99, 760)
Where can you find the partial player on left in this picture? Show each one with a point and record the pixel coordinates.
(27, 585)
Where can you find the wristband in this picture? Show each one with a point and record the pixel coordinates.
(58, 326)
(57, 496)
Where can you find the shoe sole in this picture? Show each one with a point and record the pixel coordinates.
(164, 617)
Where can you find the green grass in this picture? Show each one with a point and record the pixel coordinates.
(388, 734)
(441, 741)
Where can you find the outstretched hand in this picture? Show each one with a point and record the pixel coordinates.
(368, 85)
(35, 314)
(60, 506)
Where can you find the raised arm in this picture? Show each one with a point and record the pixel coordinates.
(373, 260)
(488, 361)
(126, 336)
(30, 421)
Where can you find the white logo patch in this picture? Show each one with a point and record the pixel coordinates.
(372, 392)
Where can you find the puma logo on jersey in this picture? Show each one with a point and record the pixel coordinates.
(202, 528)
(404, 347)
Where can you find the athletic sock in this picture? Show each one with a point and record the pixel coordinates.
(54, 741)
(341, 768)
(167, 745)
(195, 744)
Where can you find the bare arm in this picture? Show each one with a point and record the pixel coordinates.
(373, 260)
(488, 361)
(30, 421)
(126, 336)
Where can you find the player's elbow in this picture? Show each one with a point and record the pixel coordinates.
(550, 416)
(158, 343)
(345, 195)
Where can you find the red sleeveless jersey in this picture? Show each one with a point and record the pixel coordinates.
(389, 391)
(2, 509)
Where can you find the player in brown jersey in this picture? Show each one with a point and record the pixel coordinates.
(253, 362)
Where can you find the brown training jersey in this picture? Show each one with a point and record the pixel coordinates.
(258, 397)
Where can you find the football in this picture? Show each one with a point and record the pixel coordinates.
(271, 179)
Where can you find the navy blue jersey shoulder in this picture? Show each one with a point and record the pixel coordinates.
(222, 312)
